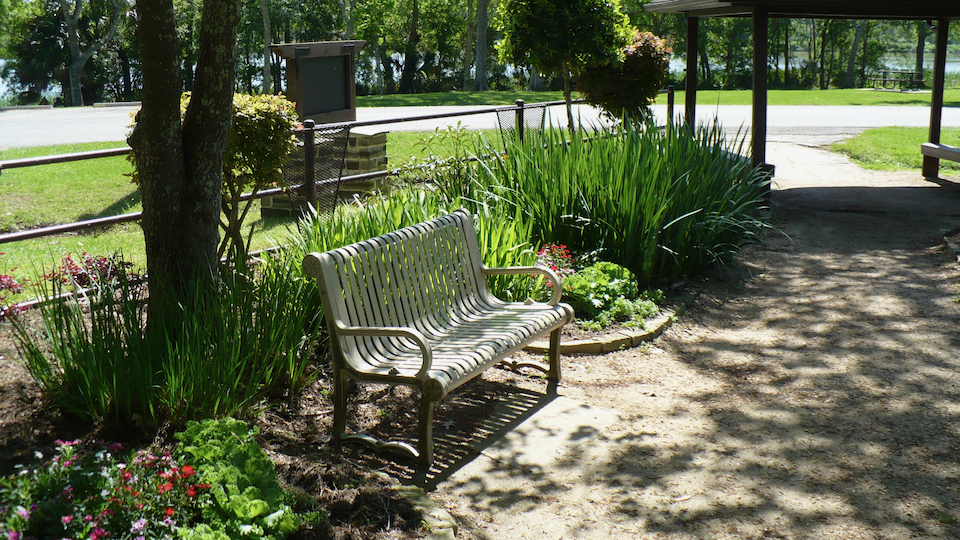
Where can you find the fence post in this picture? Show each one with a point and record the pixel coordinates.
(670, 100)
(309, 187)
(520, 122)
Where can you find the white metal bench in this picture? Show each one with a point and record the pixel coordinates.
(412, 307)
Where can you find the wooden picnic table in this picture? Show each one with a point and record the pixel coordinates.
(898, 79)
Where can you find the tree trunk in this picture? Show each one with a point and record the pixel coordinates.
(480, 81)
(537, 82)
(410, 53)
(823, 56)
(922, 32)
(125, 74)
(180, 164)
(468, 47)
(267, 38)
(78, 58)
(786, 56)
(848, 79)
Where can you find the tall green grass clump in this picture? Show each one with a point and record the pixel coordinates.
(504, 230)
(223, 355)
(662, 203)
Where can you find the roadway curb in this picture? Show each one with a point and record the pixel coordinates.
(617, 341)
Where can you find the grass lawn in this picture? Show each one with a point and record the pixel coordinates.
(849, 97)
(853, 96)
(895, 148)
(80, 190)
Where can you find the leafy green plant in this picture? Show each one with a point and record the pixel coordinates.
(605, 293)
(88, 490)
(595, 288)
(246, 501)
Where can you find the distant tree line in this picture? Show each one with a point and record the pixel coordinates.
(88, 48)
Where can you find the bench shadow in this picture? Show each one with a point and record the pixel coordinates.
(474, 425)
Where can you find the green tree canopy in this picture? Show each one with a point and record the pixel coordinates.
(562, 36)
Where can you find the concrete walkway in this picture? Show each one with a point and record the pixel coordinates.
(815, 399)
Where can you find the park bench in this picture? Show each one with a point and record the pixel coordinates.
(412, 307)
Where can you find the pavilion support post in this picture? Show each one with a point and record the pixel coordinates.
(931, 165)
(693, 50)
(761, 25)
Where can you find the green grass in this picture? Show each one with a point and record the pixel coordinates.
(836, 97)
(895, 148)
(852, 97)
(492, 98)
(65, 192)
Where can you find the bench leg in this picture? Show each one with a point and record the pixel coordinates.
(425, 444)
(340, 387)
(554, 356)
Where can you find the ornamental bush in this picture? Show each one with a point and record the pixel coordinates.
(625, 89)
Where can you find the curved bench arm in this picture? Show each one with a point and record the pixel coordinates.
(395, 331)
(550, 274)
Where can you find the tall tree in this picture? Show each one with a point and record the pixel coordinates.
(480, 80)
(468, 47)
(78, 55)
(848, 78)
(410, 56)
(180, 162)
(267, 38)
(562, 36)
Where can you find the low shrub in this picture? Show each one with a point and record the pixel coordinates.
(217, 484)
(605, 293)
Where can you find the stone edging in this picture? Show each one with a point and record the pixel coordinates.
(616, 341)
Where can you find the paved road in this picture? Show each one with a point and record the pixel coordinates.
(37, 127)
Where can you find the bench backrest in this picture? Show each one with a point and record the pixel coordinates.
(420, 276)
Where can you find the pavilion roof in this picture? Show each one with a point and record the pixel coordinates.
(848, 9)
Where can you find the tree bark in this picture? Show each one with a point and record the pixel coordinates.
(848, 79)
(468, 47)
(922, 32)
(480, 81)
(410, 59)
(180, 164)
(78, 58)
(267, 38)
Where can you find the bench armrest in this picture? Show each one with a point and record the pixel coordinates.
(550, 274)
(396, 331)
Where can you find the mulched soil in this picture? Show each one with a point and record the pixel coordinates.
(348, 485)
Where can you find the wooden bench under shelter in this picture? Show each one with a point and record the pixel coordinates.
(412, 307)
(940, 151)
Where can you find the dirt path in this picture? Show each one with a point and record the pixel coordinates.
(816, 397)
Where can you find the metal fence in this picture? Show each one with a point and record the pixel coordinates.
(324, 164)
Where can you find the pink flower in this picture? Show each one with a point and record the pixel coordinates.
(66, 520)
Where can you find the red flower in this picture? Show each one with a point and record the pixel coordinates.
(191, 491)
(169, 511)
(187, 471)
(165, 487)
